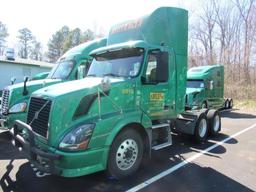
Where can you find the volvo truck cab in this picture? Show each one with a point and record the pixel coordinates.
(132, 97)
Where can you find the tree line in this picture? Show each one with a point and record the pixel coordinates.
(225, 32)
(221, 32)
(61, 41)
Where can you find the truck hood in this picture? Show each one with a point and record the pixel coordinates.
(33, 83)
(66, 98)
(62, 89)
(16, 90)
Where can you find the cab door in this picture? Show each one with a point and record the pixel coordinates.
(157, 99)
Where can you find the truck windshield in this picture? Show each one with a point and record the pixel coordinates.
(121, 63)
(195, 84)
(62, 70)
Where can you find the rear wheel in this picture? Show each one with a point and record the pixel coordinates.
(201, 129)
(226, 104)
(230, 103)
(214, 122)
(125, 154)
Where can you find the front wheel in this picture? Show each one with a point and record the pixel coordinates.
(125, 154)
(201, 129)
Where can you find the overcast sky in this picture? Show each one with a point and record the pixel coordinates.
(45, 17)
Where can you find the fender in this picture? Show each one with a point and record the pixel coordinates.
(130, 118)
(136, 117)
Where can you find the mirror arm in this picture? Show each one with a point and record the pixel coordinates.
(25, 91)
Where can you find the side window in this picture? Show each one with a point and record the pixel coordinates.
(151, 68)
(157, 67)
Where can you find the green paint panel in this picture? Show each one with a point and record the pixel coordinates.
(165, 25)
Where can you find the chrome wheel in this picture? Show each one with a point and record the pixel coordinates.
(202, 128)
(230, 103)
(227, 104)
(216, 123)
(127, 154)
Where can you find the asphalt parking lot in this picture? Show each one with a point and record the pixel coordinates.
(226, 162)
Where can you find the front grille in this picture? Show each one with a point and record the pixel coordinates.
(5, 101)
(38, 115)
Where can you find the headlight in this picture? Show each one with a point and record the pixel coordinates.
(20, 107)
(78, 138)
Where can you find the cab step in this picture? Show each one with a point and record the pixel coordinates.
(161, 136)
(160, 125)
(184, 118)
(161, 146)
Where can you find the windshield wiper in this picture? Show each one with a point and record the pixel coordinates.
(111, 74)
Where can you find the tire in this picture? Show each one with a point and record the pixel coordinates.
(230, 103)
(204, 105)
(201, 128)
(126, 154)
(214, 122)
(226, 104)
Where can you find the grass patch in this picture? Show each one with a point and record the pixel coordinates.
(248, 105)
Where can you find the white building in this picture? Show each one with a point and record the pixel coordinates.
(19, 68)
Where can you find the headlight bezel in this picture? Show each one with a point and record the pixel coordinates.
(74, 141)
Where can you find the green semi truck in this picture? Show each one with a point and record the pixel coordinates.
(132, 96)
(205, 88)
(72, 65)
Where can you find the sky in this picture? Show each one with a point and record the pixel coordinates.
(45, 17)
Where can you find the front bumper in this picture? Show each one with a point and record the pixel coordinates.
(53, 161)
(43, 160)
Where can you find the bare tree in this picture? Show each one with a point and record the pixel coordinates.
(36, 51)
(3, 35)
(247, 11)
(225, 32)
(203, 31)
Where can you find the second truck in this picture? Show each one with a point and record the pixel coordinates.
(205, 88)
(71, 66)
(126, 106)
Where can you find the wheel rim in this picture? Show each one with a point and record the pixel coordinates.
(227, 104)
(216, 123)
(202, 128)
(127, 154)
(231, 103)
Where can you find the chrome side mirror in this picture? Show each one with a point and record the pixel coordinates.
(13, 79)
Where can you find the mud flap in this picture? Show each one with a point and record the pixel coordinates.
(186, 122)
